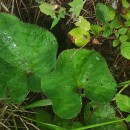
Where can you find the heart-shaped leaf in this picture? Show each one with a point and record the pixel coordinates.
(77, 71)
(27, 48)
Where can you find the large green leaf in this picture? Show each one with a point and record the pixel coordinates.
(76, 70)
(26, 46)
(31, 51)
(96, 113)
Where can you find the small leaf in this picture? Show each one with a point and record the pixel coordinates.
(116, 42)
(76, 7)
(79, 36)
(125, 4)
(123, 102)
(128, 118)
(48, 9)
(111, 13)
(127, 15)
(121, 31)
(39, 1)
(102, 13)
(125, 50)
(107, 31)
(96, 30)
(123, 38)
(127, 23)
(116, 23)
(128, 34)
(45, 102)
(83, 23)
(61, 14)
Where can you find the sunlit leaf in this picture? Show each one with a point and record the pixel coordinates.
(83, 23)
(61, 14)
(48, 9)
(79, 36)
(76, 7)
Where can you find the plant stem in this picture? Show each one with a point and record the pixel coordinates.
(124, 83)
(123, 88)
(98, 125)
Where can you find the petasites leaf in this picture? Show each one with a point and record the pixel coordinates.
(123, 102)
(125, 50)
(29, 49)
(96, 113)
(76, 71)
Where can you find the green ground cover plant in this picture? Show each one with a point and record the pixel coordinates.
(78, 90)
